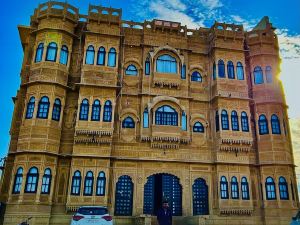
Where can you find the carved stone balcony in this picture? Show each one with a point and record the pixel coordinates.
(99, 75)
(230, 141)
(93, 137)
(230, 88)
(166, 80)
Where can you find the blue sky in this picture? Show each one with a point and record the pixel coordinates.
(284, 14)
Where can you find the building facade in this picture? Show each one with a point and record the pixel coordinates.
(126, 114)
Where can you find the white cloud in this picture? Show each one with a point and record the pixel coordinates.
(289, 44)
(211, 4)
(176, 4)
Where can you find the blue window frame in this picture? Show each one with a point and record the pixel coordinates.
(76, 183)
(234, 121)
(43, 108)
(283, 189)
(240, 71)
(56, 110)
(166, 64)
(269, 76)
(221, 68)
(51, 52)
(200, 197)
(84, 110)
(275, 123)
(270, 189)
(101, 184)
(32, 180)
(234, 188)
(107, 113)
(263, 125)
(46, 181)
(245, 189)
(214, 71)
(196, 76)
(224, 188)
(30, 108)
(128, 122)
(131, 70)
(39, 53)
(96, 110)
(217, 121)
(112, 55)
(147, 66)
(183, 121)
(258, 75)
(166, 115)
(230, 70)
(198, 127)
(101, 56)
(90, 55)
(224, 118)
(64, 54)
(245, 123)
(88, 183)
(146, 118)
(18, 181)
(183, 71)
(124, 196)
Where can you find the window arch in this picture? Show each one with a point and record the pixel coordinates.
(245, 123)
(88, 183)
(131, 70)
(269, 76)
(275, 123)
(234, 121)
(147, 66)
(124, 196)
(64, 54)
(245, 189)
(112, 55)
(214, 71)
(166, 115)
(96, 109)
(30, 108)
(101, 56)
(196, 76)
(283, 189)
(146, 118)
(183, 121)
(263, 125)
(51, 52)
(224, 118)
(224, 188)
(270, 189)
(239, 71)
(46, 181)
(230, 70)
(166, 64)
(200, 197)
(258, 75)
(107, 113)
(217, 121)
(56, 110)
(183, 71)
(128, 122)
(32, 180)
(101, 182)
(234, 188)
(43, 108)
(221, 68)
(39, 53)
(198, 127)
(76, 183)
(90, 55)
(18, 181)
(84, 110)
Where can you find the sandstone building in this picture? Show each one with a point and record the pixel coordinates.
(126, 114)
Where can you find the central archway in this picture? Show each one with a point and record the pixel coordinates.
(161, 187)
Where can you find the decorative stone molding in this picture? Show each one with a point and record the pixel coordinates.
(158, 99)
(247, 212)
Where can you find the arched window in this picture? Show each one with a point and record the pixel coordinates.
(224, 188)
(51, 52)
(107, 113)
(88, 183)
(166, 64)
(30, 108)
(90, 55)
(283, 189)
(112, 55)
(258, 75)
(46, 181)
(32, 180)
(166, 115)
(183, 121)
(39, 53)
(43, 108)
(76, 183)
(101, 56)
(198, 127)
(214, 71)
(270, 189)
(101, 182)
(64, 53)
(196, 76)
(217, 121)
(221, 68)
(96, 109)
(275, 124)
(269, 76)
(147, 67)
(263, 125)
(239, 71)
(56, 110)
(234, 121)
(245, 123)
(245, 189)
(230, 70)
(200, 197)
(84, 110)
(224, 118)
(131, 70)
(146, 118)
(128, 122)
(18, 181)
(124, 196)
(234, 188)
(183, 71)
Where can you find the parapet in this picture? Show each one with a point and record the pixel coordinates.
(104, 14)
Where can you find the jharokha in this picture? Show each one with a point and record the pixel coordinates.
(126, 114)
